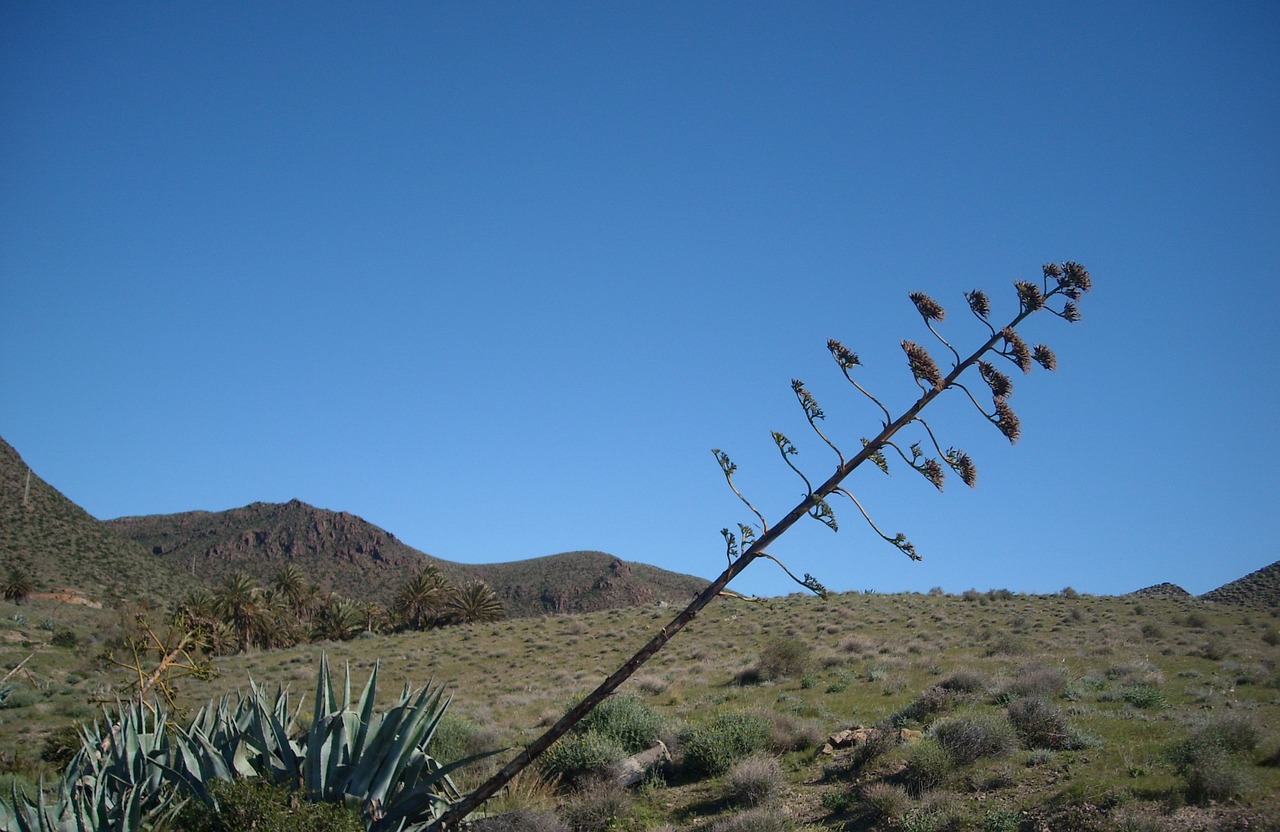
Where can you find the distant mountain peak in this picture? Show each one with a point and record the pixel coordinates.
(1260, 588)
(165, 556)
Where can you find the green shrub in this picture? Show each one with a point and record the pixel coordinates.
(1209, 758)
(1005, 820)
(1212, 775)
(255, 804)
(929, 766)
(791, 733)
(884, 802)
(576, 757)
(921, 711)
(61, 745)
(626, 720)
(783, 658)
(1229, 733)
(712, 747)
(964, 681)
(1039, 724)
(969, 738)
(1038, 680)
(454, 738)
(1147, 697)
(65, 638)
(1008, 644)
(19, 698)
(599, 805)
(840, 801)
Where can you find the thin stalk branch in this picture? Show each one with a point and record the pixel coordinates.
(783, 567)
(866, 516)
(727, 466)
(788, 450)
(863, 391)
(944, 341)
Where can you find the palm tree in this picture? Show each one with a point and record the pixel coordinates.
(241, 604)
(374, 616)
(291, 585)
(421, 601)
(475, 602)
(339, 620)
(18, 586)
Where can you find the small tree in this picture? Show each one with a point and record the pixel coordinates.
(421, 601)
(1058, 292)
(18, 585)
(474, 602)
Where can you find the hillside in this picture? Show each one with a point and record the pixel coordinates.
(579, 582)
(67, 551)
(1161, 590)
(339, 551)
(1082, 710)
(1259, 589)
(347, 554)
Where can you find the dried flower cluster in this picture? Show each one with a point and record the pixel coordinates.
(922, 365)
(928, 308)
(962, 464)
(844, 356)
(1001, 386)
(979, 303)
(1044, 356)
(1016, 349)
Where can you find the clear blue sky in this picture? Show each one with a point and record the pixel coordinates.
(498, 276)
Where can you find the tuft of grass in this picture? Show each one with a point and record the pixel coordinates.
(755, 780)
(762, 819)
(928, 767)
(1039, 724)
(972, 737)
(598, 805)
(522, 820)
(883, 802)
(1146, 697)
(783, 658)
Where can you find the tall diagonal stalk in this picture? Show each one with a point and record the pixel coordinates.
(490, 787)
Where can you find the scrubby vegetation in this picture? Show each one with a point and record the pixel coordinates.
(1083, 754)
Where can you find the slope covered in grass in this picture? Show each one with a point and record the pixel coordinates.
(66, 550)
(1056, 712)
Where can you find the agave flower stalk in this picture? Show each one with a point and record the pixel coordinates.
(1069, 281)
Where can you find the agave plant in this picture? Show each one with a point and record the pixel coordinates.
(136, 768)
(377, 763)
(113, 783)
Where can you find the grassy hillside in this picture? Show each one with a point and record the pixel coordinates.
(67, 551)
(578, 582)
(1257, 589)
(1136, 682)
